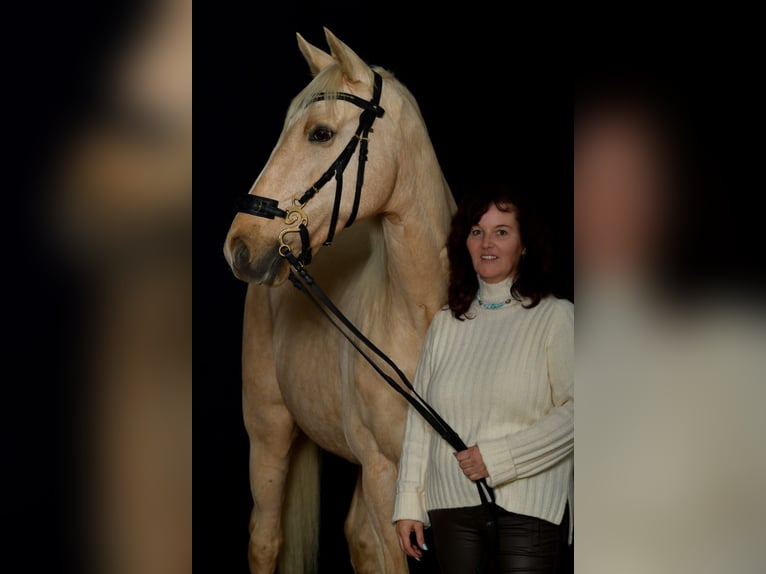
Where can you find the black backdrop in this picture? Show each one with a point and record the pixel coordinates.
(492, 106)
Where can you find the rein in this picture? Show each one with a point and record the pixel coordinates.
(296, 221)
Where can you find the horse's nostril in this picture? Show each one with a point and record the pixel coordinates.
(241, 257)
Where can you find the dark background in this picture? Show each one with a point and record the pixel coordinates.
(494, 106)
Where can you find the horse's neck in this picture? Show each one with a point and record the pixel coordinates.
(396, 262)
(415, 257)
(416, 226)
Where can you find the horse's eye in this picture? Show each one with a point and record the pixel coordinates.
(321, 134)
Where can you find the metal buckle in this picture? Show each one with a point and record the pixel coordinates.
(294, 218)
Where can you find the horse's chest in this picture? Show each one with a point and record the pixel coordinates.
(326, 384)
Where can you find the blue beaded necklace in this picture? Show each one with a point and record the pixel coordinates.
(492, 306)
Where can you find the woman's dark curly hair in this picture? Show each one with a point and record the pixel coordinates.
(532, 281)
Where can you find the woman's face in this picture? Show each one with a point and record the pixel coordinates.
(495, 245)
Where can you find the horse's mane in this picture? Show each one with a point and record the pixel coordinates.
(328, 81)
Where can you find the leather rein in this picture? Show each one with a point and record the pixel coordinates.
(296, 221)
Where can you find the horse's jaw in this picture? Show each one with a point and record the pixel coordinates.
(273, 277)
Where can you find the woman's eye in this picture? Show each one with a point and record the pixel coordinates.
(502, 232)
(321, 134)
(475, 232)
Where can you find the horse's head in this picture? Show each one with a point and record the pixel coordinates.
(323, 120)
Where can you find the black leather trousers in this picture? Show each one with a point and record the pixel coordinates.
(519, 545)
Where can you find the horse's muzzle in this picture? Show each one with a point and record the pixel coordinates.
(268, 268)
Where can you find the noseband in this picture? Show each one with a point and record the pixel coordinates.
(296, 220)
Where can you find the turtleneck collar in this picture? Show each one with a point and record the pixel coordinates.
(495, 292)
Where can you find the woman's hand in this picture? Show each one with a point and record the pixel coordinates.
(403, 530)
(471, 463)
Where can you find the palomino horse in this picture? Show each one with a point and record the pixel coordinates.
(303, 384)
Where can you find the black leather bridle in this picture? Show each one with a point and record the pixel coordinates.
(295, 218)
(296, 221)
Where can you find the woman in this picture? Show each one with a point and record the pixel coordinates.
(497, 364)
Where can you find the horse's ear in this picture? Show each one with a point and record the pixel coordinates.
(354, 68)
(317, 59)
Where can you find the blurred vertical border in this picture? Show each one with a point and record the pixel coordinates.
(670, 280)
(98, 236)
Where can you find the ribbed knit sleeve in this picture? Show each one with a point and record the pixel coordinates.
(410, 485)
(550, 439)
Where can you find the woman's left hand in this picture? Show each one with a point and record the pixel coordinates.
(471, 463)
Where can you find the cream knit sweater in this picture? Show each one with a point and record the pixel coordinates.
(503, 380)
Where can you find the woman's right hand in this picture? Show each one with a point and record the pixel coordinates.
(403, 529)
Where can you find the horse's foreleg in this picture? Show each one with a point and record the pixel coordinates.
(362, 542)
(371, 536)
(271, 430)
(271, 433)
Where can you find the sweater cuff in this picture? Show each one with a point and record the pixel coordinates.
(410, 506)
(498, 460)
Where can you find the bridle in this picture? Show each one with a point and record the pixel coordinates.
(296, 221)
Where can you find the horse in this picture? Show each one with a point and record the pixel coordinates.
(304, 384)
